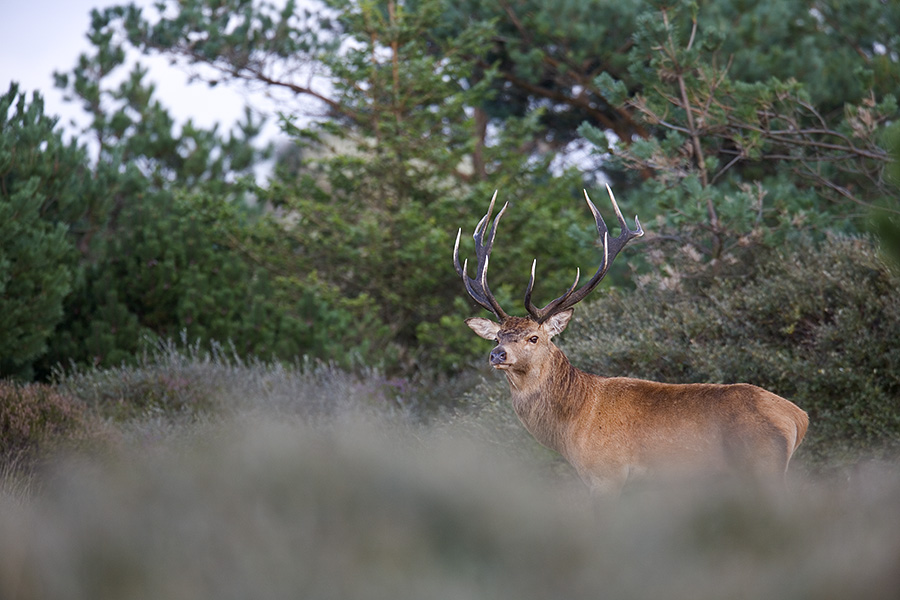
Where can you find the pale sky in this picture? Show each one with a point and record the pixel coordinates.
(40, 36)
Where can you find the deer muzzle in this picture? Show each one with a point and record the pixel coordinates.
(499, 357)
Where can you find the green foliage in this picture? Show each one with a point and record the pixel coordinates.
(817, 324)
(840, 51)
(140, 147)
(43, 196)
(744, 136)
(548, 54)
(886, 220)
(376, 203)
(164, 253)
(183, 266)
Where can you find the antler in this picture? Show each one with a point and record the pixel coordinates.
(611, 248)
(478, 287)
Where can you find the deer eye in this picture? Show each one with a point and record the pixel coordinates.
(533, 339)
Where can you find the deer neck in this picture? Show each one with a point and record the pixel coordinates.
(546, 399)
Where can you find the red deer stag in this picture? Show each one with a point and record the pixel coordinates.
(609, 428)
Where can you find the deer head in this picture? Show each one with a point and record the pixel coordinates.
(524, 343)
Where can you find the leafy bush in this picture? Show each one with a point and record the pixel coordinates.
(815, 323)
(170, 265)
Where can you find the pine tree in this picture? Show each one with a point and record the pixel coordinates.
(44, 198)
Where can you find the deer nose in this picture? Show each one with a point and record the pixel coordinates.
(498, 356)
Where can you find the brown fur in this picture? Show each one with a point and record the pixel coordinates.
(610, 428)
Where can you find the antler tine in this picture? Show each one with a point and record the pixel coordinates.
(478, 287)
(626, 234)
(611, 249)
(538, 313)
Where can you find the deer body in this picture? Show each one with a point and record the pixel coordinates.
(609, 428)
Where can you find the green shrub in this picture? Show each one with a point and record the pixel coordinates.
(816, 323)
(170, 265)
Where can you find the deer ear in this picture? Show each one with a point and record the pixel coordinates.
(556, 324)
(484, 327)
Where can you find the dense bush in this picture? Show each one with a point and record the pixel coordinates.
(171, 265)
(816, 323)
